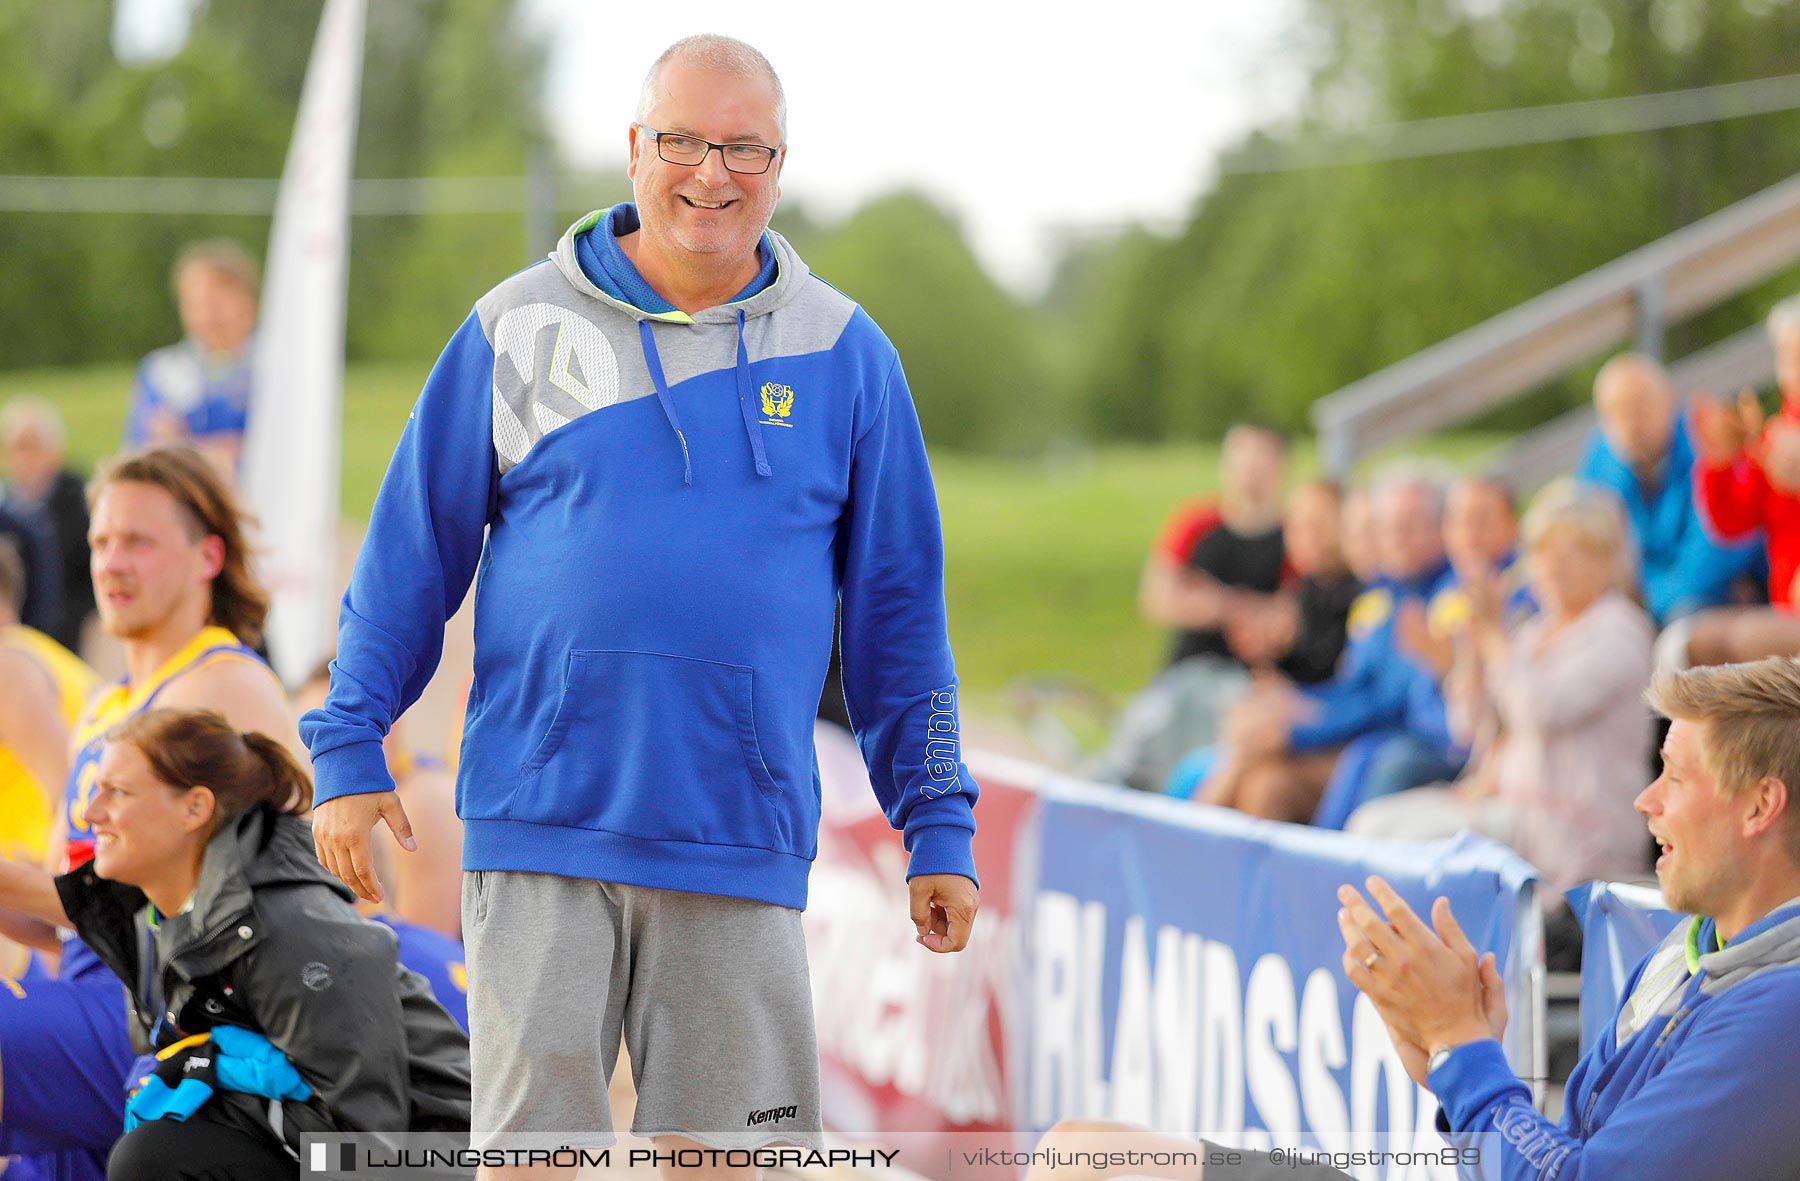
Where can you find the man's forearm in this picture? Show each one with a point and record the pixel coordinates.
(28, 932)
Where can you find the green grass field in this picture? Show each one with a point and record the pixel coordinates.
(1043, 556)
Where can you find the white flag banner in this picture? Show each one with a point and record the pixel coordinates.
(292, 444)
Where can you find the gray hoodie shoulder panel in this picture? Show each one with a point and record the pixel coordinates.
(1664, 979)
(558, 354)
(1746, 959)
(812, 323)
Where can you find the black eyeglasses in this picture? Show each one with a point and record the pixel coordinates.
(745, 159)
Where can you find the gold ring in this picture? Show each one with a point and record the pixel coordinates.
(1369, 960)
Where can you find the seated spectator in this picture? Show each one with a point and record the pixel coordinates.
(1299, 634)
(1210, 551)
(1481, 533)
(1281, 743)
(197, 833)
(1643, 452)
(40, 484)
(1213, 562)
(198, 391)
(1698, 1074)
(1748, 480)
(28, 532)
(1567, 689)
(1357, 536)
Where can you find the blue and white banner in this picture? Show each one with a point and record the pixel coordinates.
(1185, 973)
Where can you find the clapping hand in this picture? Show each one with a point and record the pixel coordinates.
(1722, 430)
(1430, 986)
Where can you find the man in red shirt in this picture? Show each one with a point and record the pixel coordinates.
(1748, 478)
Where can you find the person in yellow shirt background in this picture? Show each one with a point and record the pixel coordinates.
(42, 688)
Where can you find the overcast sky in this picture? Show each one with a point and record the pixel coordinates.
(1016, 117)
(1013, 115)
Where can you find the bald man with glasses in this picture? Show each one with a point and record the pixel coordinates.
(674, 455)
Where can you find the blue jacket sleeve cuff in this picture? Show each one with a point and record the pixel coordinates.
(1472, 1078)
(941, 848)
(353, 769)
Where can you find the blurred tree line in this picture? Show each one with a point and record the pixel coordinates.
(447, 90)
(1286, 285)
(1282, 286)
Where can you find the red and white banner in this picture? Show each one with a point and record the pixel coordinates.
(911, 1041)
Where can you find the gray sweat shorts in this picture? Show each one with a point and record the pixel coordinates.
(709, 993)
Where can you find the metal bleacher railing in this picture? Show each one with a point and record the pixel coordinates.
(1633, 298)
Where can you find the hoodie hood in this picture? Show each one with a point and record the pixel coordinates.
(790, 279)
(791, 274)
(1671, 973)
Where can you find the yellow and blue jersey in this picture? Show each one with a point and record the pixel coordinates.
(123, 699)
(24, 802)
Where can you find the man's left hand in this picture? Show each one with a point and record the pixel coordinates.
(943, 910)
(1432, 988)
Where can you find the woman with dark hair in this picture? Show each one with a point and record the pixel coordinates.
(248, 969)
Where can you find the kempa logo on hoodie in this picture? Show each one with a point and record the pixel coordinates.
(771, 1115)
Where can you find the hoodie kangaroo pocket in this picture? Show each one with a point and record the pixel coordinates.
(658, 747)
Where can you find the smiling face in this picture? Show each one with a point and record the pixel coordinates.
(141, 825)
(1695, 825)
(693, 211)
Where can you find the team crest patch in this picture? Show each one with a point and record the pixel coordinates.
(777, 404)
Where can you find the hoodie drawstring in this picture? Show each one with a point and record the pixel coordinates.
(746, 402)
(654, 363)
(752, 425)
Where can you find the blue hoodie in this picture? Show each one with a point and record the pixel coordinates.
(1684, 569)
(1698, 1077)
(660, 513)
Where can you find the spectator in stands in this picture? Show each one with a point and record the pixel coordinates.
(1211, 552)
(1566, 687)
(1214, 561)
(198, 391)
(1698, 1074)
(1644, 452)
(1481, 533)
(1299, 633)
(1361, 552)
(39, 482)
(1748, 480)
(1281, 744)
(198, 831)
(28, 532)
